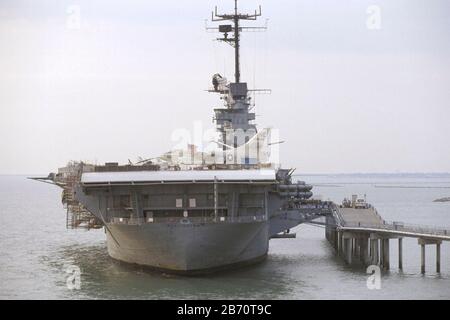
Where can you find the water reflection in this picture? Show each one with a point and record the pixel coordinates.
(33, 254)
(105, 278)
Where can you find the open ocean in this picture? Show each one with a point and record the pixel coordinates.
(36, 249)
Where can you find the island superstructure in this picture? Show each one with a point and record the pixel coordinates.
(194, 211)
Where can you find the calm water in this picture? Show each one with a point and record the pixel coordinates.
(35, 249)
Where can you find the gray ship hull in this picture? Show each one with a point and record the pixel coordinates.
(189, 248)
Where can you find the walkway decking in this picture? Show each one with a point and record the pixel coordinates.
(368, 220)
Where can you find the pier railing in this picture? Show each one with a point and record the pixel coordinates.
(400, 227)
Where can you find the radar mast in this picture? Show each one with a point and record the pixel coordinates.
(236, 30)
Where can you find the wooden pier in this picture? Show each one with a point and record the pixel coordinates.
(361, 236)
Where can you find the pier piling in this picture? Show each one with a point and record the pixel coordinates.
(385, 253)
(423, 242)
(363, 252)
(422, 259)
(374, 251)
(438, 257)
(348, 250)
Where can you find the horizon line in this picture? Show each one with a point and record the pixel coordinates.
(295, 174)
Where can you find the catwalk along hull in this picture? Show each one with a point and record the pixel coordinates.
(191, 247)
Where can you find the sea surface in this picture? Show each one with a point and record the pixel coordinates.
(36, 250)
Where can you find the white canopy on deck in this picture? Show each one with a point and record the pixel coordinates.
(263, 175)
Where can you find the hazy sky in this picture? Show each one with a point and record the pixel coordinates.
(350, 94)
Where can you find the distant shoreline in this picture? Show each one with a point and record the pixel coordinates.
(434, 174)
(446, 199)
(410, 187)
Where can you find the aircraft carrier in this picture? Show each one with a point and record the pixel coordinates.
(195, 211)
